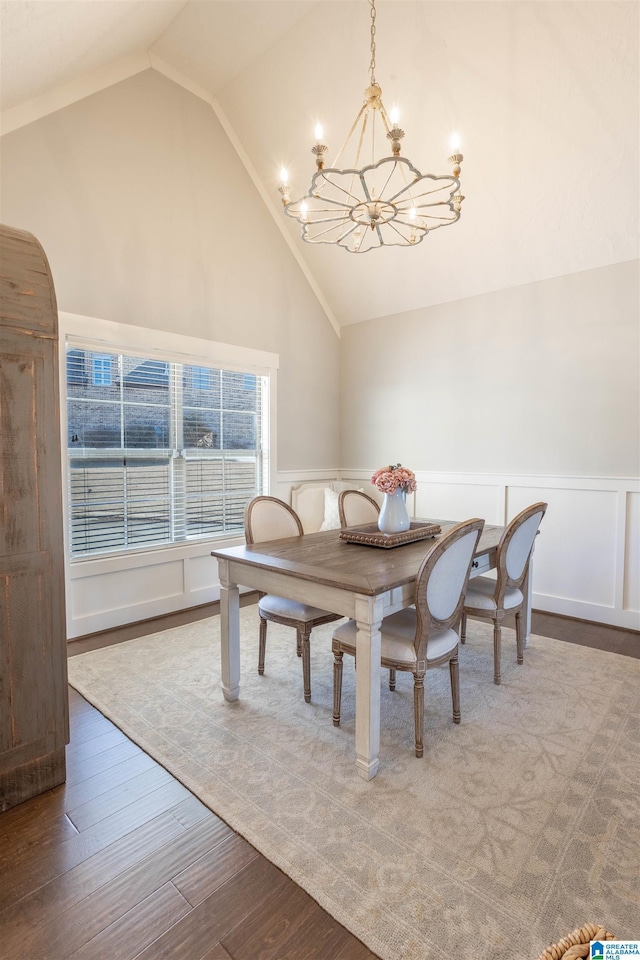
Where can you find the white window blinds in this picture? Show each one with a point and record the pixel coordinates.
(159, 452)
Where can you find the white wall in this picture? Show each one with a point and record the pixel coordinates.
(148, 217)
(498, 401)
(542, 378)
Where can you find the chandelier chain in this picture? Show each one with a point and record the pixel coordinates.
(372, 65)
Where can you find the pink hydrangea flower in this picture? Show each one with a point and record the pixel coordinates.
(389, 479)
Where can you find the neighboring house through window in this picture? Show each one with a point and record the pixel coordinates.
(101, 370)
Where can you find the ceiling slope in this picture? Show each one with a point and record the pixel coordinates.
(544, 95)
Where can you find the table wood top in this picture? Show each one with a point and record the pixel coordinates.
(324, 558)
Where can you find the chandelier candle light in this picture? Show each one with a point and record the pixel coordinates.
(386, 202)
(395, 481)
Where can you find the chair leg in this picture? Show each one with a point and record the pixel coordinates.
(520, 637)
(305, 647)
(306, 663)
(463, 628)
(418, 711)
(298, 643)
(337, 686)
(262, 645)
(454, 671)
(497, 642)
(392, 678)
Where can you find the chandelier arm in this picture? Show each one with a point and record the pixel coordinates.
(322, 232)
(411, 226)
(385, 118)
(349, 229)
(403, 173)
(393, 170)
(353, 126)
(421, 195)
(322, 220)
(365, 188)
(323, 215)
(441, 221)
(347, 192)
(422, 212)
(334, 203)
(373, 138)
(362, 133)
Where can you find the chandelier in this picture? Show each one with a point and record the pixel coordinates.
(385, 202)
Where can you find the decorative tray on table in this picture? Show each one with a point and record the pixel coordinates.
(370, 536)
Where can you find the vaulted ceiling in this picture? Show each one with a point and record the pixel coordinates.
(544, 93)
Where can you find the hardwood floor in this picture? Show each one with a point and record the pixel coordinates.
(122, 862)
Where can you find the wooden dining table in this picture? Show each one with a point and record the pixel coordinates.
(364, 583)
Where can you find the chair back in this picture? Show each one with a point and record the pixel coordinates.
(515, 547)
(356, 508)
(442, 581)
(267, 518)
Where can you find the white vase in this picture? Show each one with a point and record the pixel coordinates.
(394, 517)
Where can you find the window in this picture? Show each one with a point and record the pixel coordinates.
(101, 370)
(159, 452)
(200, 378)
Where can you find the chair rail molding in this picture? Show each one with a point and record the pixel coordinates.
(587, 556)
(586, 563)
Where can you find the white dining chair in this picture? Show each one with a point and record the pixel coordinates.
(267, 518)
(418, 638)
(356, 508)
(489, 599)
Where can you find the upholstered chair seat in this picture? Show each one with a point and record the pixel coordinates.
(424, 636)
(271, 606)
(489, 599)
(481, 593)
(397, 642)
(267, 518)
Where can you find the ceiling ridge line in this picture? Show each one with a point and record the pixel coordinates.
(73, 91)
(184, 81)
(274, 211)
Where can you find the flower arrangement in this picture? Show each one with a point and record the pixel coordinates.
(394, 477)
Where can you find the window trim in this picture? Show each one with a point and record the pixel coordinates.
(95, 334)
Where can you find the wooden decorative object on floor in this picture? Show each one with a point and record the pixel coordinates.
(576, 944)
(34, 710)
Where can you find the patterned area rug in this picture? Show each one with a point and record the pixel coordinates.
(516, 826)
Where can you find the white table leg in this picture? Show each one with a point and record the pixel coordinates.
(229, 633)
(368, 619)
